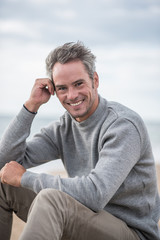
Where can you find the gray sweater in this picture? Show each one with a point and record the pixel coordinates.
(108, 158)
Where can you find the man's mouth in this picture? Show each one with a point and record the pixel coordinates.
(75, 104)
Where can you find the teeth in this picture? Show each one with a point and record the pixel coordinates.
(76, 104)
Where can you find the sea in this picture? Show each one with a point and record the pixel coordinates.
(153, 128)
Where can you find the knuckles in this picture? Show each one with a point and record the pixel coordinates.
(42, 80)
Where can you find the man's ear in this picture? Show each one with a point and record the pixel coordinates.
(53, 83)
(96, 80)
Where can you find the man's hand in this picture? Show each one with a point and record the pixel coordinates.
(12, 173)
(40, 94)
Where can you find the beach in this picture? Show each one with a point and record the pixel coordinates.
(18, 225)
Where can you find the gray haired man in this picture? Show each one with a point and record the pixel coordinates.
(111, 191)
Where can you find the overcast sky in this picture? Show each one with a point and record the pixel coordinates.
(123, 34)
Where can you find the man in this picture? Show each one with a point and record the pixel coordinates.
(111, 192)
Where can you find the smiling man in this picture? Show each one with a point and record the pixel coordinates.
(111, 190)
(75, 90)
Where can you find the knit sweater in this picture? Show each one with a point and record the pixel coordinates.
(108, 158)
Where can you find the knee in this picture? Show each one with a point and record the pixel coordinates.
(49, 194)
(49, 200)
(52, 197)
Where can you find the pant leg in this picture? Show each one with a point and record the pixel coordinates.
(55, 215)
(13, 199)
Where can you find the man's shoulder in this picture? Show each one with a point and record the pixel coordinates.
(118, 113)
(122, 111)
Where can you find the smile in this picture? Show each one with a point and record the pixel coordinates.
(76, 104)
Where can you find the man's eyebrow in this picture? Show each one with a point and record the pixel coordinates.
(63, 85)
(60, 85)
(77, 81)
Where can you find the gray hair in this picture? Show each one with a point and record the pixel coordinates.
(69, 52)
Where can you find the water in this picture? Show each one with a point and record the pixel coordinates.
(39, 122)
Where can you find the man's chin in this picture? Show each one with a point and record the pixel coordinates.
(78, 116)
(75, 115)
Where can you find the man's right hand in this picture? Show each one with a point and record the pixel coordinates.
(40, 94)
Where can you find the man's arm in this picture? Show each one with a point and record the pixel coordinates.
(13, 143)
(116, 159)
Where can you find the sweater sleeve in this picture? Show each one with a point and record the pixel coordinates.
(14, 147)
(120, 150)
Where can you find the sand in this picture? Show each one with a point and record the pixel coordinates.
(18, 225)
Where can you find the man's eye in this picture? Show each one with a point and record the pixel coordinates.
(61, 89)
(79, 84)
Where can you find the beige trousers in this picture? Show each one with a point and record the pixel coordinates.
(54, 215)
(16, 200)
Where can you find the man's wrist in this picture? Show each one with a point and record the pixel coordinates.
(29, 110)
(30, 107)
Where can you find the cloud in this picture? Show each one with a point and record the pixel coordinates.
(123, 34)
(65, 14)
(102, 22)
(130, 75)
(18, 28)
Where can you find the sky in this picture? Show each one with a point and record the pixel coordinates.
(124, 35)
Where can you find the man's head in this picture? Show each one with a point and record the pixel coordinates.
(69, 52)
(72, 69)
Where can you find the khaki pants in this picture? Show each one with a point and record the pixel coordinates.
(55, 215)
(13, 199)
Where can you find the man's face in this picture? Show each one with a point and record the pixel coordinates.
(75, 90)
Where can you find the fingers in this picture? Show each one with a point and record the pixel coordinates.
(45, 83)
(40, 94)
(2, 173)
(11, 173)
(3, 181)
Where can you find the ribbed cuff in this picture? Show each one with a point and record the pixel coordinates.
(28, 110)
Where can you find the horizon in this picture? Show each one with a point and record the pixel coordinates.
(124, 36)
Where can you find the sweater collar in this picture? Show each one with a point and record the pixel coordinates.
(95, 117)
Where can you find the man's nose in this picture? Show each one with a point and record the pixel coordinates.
(72, 94)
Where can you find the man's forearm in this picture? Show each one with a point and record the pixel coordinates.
(13, 142)
(32, 108)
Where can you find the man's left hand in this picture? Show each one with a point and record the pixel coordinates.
(12, 173)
